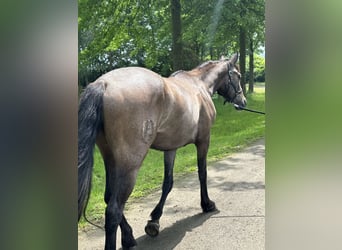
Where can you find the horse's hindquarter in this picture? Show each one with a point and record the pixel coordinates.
(132, 103)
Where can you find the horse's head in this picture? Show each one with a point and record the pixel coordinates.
(231, 88)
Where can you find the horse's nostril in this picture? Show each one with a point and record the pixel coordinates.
(244, 103)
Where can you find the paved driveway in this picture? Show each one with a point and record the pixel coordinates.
(236, 184)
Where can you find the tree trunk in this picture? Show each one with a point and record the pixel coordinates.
(251, 67)
(176, 35)
(242, 58)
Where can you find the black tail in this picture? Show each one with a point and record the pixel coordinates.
(90, 120)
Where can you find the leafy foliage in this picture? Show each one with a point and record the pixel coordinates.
(259, 68)
(115, 33)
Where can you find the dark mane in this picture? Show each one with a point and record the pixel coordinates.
(206, 64)
(177, 72)
(203, 68)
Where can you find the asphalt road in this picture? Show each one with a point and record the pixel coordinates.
(237, 186)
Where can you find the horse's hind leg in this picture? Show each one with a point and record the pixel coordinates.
(152, 227)
(121, 183)
(113, 215)
(127, 239)
(202, 150)
(116, 193)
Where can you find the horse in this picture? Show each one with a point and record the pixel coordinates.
(129, 110)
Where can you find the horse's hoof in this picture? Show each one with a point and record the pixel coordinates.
(129, 245)
(209, 207)
(129, 248)
(152, 228)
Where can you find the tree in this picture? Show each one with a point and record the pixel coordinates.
(255, 26)
(176, 35)
(165, 35)
(116, 33)
(242, 58)
(251, 67)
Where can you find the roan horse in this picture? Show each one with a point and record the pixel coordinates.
(129, 110)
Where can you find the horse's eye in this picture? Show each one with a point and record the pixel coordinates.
(230, 73)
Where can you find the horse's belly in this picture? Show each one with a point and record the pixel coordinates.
(174, 138)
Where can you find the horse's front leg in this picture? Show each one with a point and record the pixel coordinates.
(202, 151)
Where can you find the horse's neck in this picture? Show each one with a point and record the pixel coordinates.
(212, 77)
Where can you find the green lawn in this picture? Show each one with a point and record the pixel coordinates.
(231, 131)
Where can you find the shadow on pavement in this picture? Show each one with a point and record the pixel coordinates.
(170, 237)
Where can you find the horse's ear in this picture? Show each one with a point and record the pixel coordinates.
(234, 58)
(222, 58)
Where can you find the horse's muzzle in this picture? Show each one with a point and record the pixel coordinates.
(241, 101)
(244, 102)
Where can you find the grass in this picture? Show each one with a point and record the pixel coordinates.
(231, 131)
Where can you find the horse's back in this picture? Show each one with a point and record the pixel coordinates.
(132, 81)
(132, 86)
